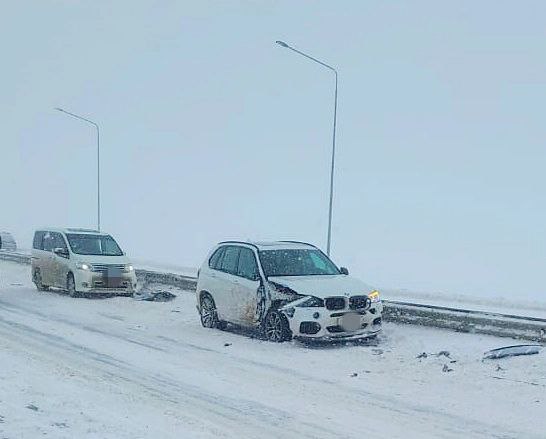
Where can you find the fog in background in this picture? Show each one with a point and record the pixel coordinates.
(210, 131)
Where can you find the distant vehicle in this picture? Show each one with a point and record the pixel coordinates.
(287, 289)
(7, 242)
(80, 261)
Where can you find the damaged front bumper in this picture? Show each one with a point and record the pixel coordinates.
(320, 323)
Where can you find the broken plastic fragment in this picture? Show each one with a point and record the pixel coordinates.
(154, 296)
(512, 351)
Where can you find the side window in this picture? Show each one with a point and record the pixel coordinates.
(318, 263)
(247, 264)
(48, 243)
(216, 258)
(230, 260)
(58, 241)
(38, 241)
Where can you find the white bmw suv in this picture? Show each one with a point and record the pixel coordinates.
(286, 289)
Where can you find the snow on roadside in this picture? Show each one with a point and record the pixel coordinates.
(119, 368)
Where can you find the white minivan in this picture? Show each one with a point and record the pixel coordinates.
(80, 261)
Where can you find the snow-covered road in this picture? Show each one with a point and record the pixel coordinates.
(119, 368)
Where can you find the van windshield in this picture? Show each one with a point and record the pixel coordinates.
(98, 245)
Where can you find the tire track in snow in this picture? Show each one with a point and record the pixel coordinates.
(454, 425)
(240, 414)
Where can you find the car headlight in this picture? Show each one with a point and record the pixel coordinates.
(129, 268)
(374, 296)
(84, 266)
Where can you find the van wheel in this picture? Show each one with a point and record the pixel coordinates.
(276, 327)
(38, 281)
(71, 285)
(209, 315)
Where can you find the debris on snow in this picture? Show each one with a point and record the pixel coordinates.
(446, 368)
(155, 296)
(32, 407)
(439, 354)
(354, 374)
(512, 351)
(227, 344)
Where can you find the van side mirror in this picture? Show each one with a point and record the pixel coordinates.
(62, 252)
(344, 271)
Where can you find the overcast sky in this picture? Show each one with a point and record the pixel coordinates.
(210, 131)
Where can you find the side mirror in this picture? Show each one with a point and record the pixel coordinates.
(344, 271)
(59, 251)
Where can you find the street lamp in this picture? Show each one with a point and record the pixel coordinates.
(286, 46)
(98, 157)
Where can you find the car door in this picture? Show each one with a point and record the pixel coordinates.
(46, 260)
(245, 292)
(59, 264)
(211, 281)
(38, 250)
(226, 278)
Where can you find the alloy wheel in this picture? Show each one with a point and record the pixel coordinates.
(209, 317)
(274, 327)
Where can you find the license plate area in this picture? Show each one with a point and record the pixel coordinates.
(350, 321)
(112, 277)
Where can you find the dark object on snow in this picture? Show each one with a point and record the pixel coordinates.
(446, 368)
(512, 351)
(32, 407)
(443, 354)
(154, 296)
(423, 355)
(7, 242)
(227, 344)
(354, 375)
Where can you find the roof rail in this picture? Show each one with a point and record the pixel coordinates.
(240, 242)
(78, 229)
(299, 242)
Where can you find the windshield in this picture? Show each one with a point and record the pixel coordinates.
(296, 262)
(99, 245)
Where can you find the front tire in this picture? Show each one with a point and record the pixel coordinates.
(276, 328)
(38, 281)
(208, 312)
(71, 285)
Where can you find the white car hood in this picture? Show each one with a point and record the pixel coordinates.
(323, 286)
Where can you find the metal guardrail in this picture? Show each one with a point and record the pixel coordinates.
(455, 319)
(464, 320)
(21, 258)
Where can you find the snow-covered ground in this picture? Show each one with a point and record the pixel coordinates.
(120, 368)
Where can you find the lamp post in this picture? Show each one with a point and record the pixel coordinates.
(286, 46)
(98, 157)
